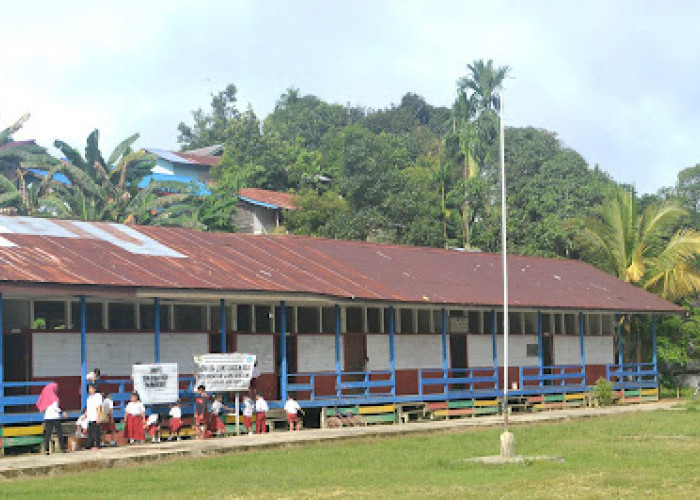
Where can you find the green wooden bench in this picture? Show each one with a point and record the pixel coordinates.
(378, 414)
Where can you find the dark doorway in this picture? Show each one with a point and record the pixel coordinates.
(458, 351)
(16, 366)
(547, 355)
(458, 357)
(355, 351)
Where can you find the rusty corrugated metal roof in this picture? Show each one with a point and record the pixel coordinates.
(267, 197)
(113, 255)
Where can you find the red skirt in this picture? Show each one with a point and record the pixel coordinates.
(175, 424)
(215, 423)
(152, 429)
(134, 428)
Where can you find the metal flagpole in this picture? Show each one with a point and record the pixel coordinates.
(505, 265)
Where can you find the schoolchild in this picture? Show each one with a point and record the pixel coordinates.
(175, 423)
(201, 412)
(248, 408)
(261, 410)
(216, 425)
(134, 417)
(292, 409)
(107, 425)
(153, 427)
(49, 404)
(94, 411)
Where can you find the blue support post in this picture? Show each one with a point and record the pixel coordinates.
(156, 329)
(222, 323)
(620, 357)
(338, 372)
(2, 353)
(83, 351)
(653, 342)
(581, 328)
(494, 346)
(283, 348)
(445, 369)
(392, 362)
(540, 346)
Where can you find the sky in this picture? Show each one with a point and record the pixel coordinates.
(616, 80)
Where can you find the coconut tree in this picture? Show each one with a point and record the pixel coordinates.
(643, 247)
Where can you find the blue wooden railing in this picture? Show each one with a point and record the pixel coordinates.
(556, 375)
(632, 375)
(20, 408)
(349, 384)
(457, 377)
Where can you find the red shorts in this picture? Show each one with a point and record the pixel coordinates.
(292, 418)
(247, 422)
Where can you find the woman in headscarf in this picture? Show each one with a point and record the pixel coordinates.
(48, 403)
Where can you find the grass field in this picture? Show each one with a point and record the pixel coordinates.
(650, 454)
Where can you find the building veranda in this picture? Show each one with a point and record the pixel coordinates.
(333, 322)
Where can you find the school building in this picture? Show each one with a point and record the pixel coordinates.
(331, 321)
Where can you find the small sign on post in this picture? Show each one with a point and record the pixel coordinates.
(156, 383)
(224, 372)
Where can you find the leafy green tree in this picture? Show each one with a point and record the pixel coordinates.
(209, 128)
(316, 214)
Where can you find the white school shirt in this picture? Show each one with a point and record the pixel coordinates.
(176, 412)
(291, 407)
(261, 406)
(52, 412)
(247, 408)
(108, 405)
(152, 419)
(134, 408)
(216, 407)
(93, 403)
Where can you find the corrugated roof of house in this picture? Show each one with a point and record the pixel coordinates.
(265, 197)
(95, 255)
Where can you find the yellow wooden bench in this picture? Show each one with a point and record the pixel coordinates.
(21, 435)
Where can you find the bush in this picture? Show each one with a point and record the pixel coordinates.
(604, 392)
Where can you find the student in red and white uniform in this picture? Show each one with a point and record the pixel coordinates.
(261, 410)
(134, 416)
(248, 408)
(153, 427)
(292, 409)
(216, 425)
(175, 423)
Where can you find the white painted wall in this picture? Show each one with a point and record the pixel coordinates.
(378, 352)
(317, 353)
(58, 354)
(599, 350)
(480, 351)
(567, 350)
(417, 351)
(260, 345)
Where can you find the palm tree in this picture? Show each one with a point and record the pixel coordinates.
(482, 83)
(642, 248)
(476, 93)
